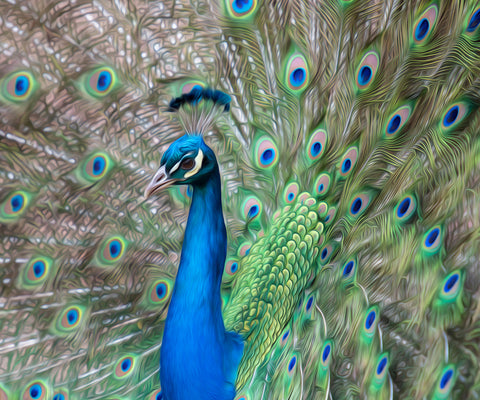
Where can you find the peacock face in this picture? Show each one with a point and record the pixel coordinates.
(188, 160)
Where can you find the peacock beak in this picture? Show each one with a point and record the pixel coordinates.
(159, 181)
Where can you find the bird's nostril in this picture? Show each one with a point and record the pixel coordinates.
(160, 177)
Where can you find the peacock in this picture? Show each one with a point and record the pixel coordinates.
(239, 199)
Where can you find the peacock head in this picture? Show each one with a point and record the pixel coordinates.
(188, 161)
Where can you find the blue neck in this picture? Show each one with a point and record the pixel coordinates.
(204, 247)
(199, 359)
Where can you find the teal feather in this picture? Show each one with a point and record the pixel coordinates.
(348, 162)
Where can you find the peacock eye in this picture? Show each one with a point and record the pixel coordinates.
(187, 163)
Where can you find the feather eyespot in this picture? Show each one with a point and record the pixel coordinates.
(370, 322)
(60, 396)
(160, 291)
(290, 193)
(316, 144)
(330, 217)
(111, 251)
(359, 204)
(425, 24)
(446, 382)
(326, 353)
(367, 70)
(95, 167)
(291, 365)
(381, 370)
(156, 395)
(348, 161)
(348, 271)
(397, 120)
(322, 184)
(473, 22)
(18, 87)
(124, 367)
(37, 270)
(452, 286)
(405, 208)
(241, 9)
(266, 153)
(454, 115)
(309, 304)
(284, 339)
(244, 249)
(432, 240)
(252, 208)
(35, 391)
(297, 73)
(231, 267)
(100, 82)
(326, 254)
(71, 318)
(14, 206)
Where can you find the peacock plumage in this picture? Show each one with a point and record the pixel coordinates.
(332, 243)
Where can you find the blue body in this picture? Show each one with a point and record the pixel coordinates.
(199, 359)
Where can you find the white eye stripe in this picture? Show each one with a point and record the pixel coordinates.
(175, 167)
(198, 165)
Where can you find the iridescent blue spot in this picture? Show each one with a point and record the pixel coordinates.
(446, 378)
(394, 124)
(161, 289)
(309, 303)
(348, 268)
(267, 156)
(247, 251)
(38, 268)
(159, 396)
(59, 396)
(115, 249)
(253, 211)
(291, 195)
(234, 267)
(327, 218)
(381, 365)
(364, 75)
(326, 353)
(298, 76)
(285, 335)
(403, 207)
(450, 283)
(35, 391)
(346, 165)
(98, 165)
(432, 236)
(356, 205)
(16, 202)
(474, 21)
(320, 188)
(422, 29)
(292, 363)
(316, 149)
(21, 85)
(72, 317)
(451, 116)
(240, 6)
(104, 81)
(126, 364)
(370, 320)
(324, 253)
